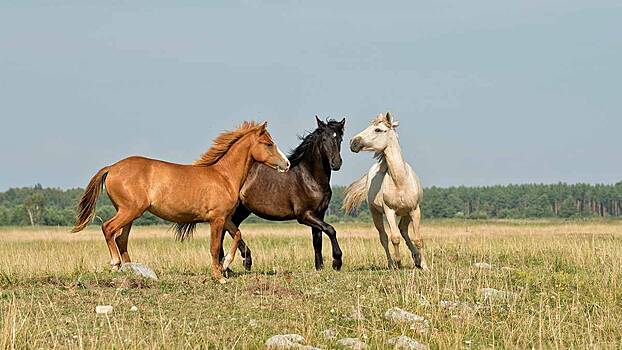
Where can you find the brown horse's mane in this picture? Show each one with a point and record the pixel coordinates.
(224, 142)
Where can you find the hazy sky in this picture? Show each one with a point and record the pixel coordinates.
(487, 92)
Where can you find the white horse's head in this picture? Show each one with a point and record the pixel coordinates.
(376, 136)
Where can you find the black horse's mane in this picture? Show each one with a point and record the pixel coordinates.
(309, 142)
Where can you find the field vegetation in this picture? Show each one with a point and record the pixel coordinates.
(563, 284)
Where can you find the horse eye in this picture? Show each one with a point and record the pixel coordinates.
(270, 144)
(378, 130)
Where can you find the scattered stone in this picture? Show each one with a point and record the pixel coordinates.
(490, 294)
(134, 308)
(253, 323)
(482, 265)
(406, 343)
(139, 270)
(457, 305)
(352, 343)
(103, 309)
(423, 301)
(329, 334)
(356, 315)
(288, 342)
(417, 323)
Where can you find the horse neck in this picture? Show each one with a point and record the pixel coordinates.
(236, 163)
(395, 161)
(315, 164)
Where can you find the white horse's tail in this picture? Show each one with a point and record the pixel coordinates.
(355, 195)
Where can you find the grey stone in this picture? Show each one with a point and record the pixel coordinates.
(457, 305)
(288, 342)
(352, 343)
(356, 315)
(139, 270)
(329, 334)
(417, 323)
(103, 309)
(482, 265)
(406, 343)
(490, 294)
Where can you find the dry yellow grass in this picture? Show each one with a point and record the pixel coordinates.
(564, 277)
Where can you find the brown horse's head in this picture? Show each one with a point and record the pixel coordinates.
(264, 150)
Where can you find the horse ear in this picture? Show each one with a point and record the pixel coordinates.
(342, 123)
(320, 123)
(395, 124)
(389, 118)
(263, 128)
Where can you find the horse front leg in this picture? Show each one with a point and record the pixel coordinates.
(317, 248)
(216, 232)
(311, 219)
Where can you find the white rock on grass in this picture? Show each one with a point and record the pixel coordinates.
(103, 309)
(457, 305)
(490, 294)
(423, 301)
(134, 308)
(139, 270)
(352, 343)
(356, 315)
(253, 323)
(288, 342)
(482, 265)
(406, 343)
(417, 323)
(329, 334)
(398, 315)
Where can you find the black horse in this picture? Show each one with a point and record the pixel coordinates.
(303, 193)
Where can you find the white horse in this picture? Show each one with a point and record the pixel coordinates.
(391, 187)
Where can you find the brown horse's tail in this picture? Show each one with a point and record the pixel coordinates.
(86, 207)
(355, 195)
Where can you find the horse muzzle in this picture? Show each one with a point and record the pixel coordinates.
(355, 145)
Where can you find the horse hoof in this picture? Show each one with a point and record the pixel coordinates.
(228, 273)
(337, 265)
(248, 263)
(423, 267)
(115, 268)
(223, 280)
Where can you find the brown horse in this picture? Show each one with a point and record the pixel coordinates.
(206, 191)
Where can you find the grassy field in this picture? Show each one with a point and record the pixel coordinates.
(565, 281)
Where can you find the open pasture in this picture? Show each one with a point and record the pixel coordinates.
(564, 279)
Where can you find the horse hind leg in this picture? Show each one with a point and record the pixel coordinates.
(237, 237)
(121, 241)
(416, 227)
(405, 222)
(112, 229)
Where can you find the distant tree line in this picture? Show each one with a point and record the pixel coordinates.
(33, 206)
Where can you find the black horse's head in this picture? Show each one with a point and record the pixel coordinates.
(330, 135)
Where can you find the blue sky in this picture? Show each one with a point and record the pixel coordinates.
(487, 92)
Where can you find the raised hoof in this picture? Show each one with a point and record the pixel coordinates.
(337, 264)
